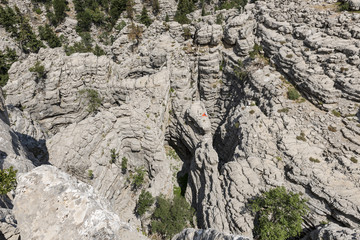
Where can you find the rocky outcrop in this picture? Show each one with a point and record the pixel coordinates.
(69, 209)
(354, 4)
(12, 153)
(134, 101)
(333, 232)
(8, 225)
(226, 113)
(3, 112)
(208, 234)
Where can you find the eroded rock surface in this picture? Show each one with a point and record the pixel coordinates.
(223, 106)
(12, 153)
(69, 209)
(334, 232)
(208, 234)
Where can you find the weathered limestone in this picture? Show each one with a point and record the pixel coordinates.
(69, 209)
(228, 115)
(208, 234)
(8, 228)
(333, 232)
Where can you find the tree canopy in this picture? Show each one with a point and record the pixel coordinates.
(278, 214)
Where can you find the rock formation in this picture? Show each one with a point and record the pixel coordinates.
(250, 99)
(208, 234)
(69, 208)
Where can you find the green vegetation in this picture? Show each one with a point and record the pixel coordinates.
(184, 7)
(186, 33)
(228, 4)
(124, 162)
(354, 160)
(219, 19)
(90, 174)
(144, 17)
(114, 156)
(222, 65)
(138, 178)
(46, 33)
(120, 26)
(278, 214)
(85, 45)
(336, 113)
(116, 8)
(90, 12)
(314, 160)
(156, 6)
(9, 20)
(171, 216)
(135, 33)
(256, 51)
(301, 137)
(293, 94)
(7, 58)
(130, 9)
(252, 111)
(144, 203)
(37, 11)
(59, 14)
(93, 98)
(39, 70)
(7, 180)
(98, 51)
(240, 71)
(170, 152)
(283, 110)
(27, 39)
(343, 6)
(19, 28)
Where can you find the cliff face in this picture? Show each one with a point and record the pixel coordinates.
(214, 95)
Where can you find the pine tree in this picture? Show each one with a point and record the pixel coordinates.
(47, 34)
(116, 8)
(144, 18)
(279, 214)
(59, 9)
(184, 7)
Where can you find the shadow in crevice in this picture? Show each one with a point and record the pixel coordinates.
(3, 155)
(226, 145)
(38, 152)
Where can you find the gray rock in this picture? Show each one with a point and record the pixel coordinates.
(12, 152)
(8, 225)
(354, 4)
(208, 234)
(208, 34)
(60, 207)
(3, 112)
(333, 232)
(251, 138)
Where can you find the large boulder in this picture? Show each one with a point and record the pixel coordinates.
(51, 204)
